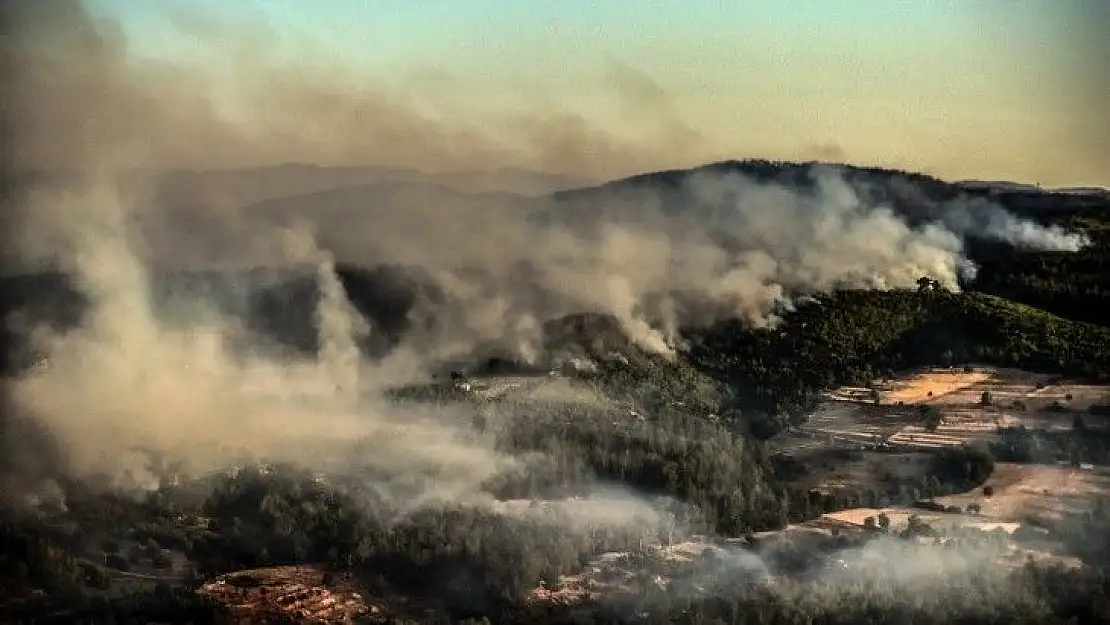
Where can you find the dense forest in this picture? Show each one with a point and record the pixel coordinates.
(472, 563)
(686, 434)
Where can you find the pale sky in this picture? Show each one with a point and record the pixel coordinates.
(993, 89)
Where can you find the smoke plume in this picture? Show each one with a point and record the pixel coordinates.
(717, 245)
(990, 221)
(135, 373)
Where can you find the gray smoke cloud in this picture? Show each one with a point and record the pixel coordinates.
(719, 245)
(722, 245)
(990, 221)
(179, 380)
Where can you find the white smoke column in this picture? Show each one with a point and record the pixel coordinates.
(623, 291)
(752, 245)
(1006, 227)
(339, 325)
(127, 380)
(787, 242)
(113, 379)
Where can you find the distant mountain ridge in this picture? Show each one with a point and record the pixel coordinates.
(909, 193)
(1001, 186)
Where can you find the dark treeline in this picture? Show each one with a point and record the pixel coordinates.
(1071, 285)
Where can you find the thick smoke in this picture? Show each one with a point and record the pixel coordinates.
(719, 245)
(128, 379)
(990, 221)
(189, 383)
(78, 94)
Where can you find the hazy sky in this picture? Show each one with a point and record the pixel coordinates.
(962, 88)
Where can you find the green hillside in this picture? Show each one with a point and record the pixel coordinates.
(853, 336)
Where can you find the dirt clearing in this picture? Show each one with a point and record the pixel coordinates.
(928, 385)
(1022, 491)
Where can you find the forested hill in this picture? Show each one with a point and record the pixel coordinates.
(1074, 285)
(899, 187)
(853, 336)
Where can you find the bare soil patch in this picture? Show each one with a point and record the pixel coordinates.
(927, 386)
(1021, 492)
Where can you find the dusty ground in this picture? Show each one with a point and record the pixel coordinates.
(1002, 382)
(899, 517)
(1018, 548)
(927, 386)
(1021, 493)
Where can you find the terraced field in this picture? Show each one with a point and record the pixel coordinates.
(973, 403)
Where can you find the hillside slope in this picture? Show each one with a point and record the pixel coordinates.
(854, 336)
